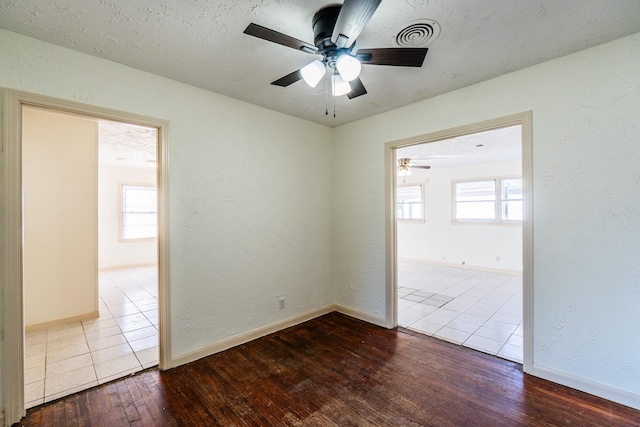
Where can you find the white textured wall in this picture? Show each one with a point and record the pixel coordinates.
(112, 252)
(586, 148)
(250, 190)
(439, 240)
(60, 205)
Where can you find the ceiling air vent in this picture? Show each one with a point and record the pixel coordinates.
(419, 33)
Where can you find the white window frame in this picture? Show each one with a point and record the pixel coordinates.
(422, 204)
(498, 202)
(122, 213)
(501, 201)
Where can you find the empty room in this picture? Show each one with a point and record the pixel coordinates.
(278, 125)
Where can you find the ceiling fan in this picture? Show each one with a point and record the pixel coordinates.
(405, 165)
(335, 30)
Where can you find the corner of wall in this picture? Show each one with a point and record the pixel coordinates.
(3, 137)
(360, 315)
(333, 141)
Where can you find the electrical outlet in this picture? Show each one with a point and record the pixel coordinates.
(497, 258)
(281, 301)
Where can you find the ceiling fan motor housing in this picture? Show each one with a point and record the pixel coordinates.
(323, 23)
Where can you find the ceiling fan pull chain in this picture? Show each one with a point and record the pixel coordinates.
(334, 106)
(326, 97)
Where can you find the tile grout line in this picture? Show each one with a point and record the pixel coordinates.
(496, 290)
(85, 332)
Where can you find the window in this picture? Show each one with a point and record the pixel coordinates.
(410, 202)
(475, 200)
(488, 200)
(139, 212)
(511, 199)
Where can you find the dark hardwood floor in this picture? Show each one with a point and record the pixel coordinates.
(336, 371)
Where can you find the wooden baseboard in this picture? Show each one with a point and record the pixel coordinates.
(58, 322)
(361, 315)
(601, 390)
(245, 337)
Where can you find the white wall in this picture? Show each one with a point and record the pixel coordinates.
(59, 179)
(250, 191)
(113, 252)
(586, 181)
(439, 240)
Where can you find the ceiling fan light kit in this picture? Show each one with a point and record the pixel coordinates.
(335, 30)
(339, 86)
(348, 66)
(404, 171)
(314, 72)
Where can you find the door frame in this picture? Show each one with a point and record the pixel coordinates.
(523, 119)
(12, 262)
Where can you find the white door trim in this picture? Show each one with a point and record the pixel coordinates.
(525, 120)
(12, 304)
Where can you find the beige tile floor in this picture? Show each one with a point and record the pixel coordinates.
(68, 358)
(477, 309)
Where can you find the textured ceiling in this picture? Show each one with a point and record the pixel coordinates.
(496, 145)
(125, 145)
(202, 43)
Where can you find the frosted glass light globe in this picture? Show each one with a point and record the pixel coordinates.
(339, 86)
(349, 67)
(314, 72)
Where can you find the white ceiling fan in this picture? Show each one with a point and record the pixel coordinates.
(405, 165)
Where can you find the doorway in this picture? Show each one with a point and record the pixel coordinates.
(13, 270)
(435, 299)
(459, 240)
(90, 306)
